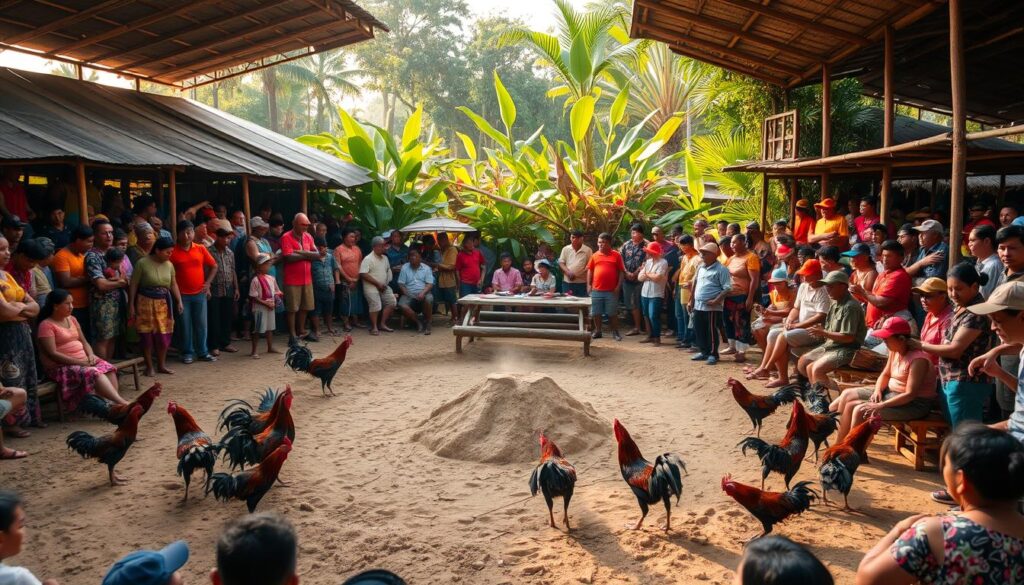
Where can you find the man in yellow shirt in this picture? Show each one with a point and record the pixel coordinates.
(831, 228)
(690, 261)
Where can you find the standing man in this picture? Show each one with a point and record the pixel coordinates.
(701, 235)
(710, 287)
(573, 262)
(690, 261)
(69, 272)
(447, 281)
(398, 255)
(982, 244)
(605, 273)
(804, 223)
(1006, 309)
(1007, 215)
(194, 270)
(416, 281)
(106, 293)
(976, 215)
(375, 271)
(471, 267)
(633, 256)
(298, 251)
(224, 290)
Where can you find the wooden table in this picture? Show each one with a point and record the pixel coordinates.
(570, 325)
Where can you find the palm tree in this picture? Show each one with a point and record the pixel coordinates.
(591, 46)
(325, 76)
(269, 78)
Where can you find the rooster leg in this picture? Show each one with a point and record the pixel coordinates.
(282, 484)
(640, 522)
(668, 518)
(565, 510)
(116, 479)
(551, 518)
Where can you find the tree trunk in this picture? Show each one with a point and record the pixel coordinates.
(389, 115)
(216, 95)
(320, 113)
(270, 88)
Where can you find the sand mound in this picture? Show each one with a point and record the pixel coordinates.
(497, 421)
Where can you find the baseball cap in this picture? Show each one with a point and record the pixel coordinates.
(544, 262)
(834, 277)
(13, 222)
(1019, 220)
(1007, 296)
(783, 250)
(222, 227)
(930, 286)
(827, 203)
(857, 250)
(711, 248)
(810, 268)
(654, 248)
(930, 225)
(148, 567)
(779, 275)
(892, 326)
(258, 222)
(803, 204)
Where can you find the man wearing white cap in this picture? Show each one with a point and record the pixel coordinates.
(710, 287)
(1006, 309)
(931, 258)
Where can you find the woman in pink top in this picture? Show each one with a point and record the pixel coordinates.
(349, 294)
(68, 358)
(938, 312)
(905, 390)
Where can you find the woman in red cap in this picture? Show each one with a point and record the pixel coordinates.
(653, 274)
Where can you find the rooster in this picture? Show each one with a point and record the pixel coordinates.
(116, 414)
(250, 485)
(841, 461)
(819, 427)
(195, 448)
(109, 449)
(243, 447)
(786, 457)
(770, 508)
(554, 477)
(300, 359)
(757, 406)
(649, 482)
(816, 397)
(239, 413)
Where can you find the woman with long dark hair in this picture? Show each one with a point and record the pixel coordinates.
(153, 298)
(17, 354)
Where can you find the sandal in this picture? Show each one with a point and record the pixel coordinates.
(11, 454)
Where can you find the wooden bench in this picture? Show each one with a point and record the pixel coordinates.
(48, 388)
(474, 331)
(920, 440)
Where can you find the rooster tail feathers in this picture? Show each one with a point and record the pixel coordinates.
(801, 496)
(754, 443)
(267, 400)
(534, 483)
(222, 485)
(82, 443)
(198, 457)
(773, 456)
(94, 405)
(240, 416)
(239, 448)
(298, 358)
(786, 394)
(667, 476)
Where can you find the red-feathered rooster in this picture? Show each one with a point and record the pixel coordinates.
(195, 448)
(300, 359)
(819, 427)
(770, 508)
(649, 482)
(108, 449)
(841, 461)
(239, 413)
(758, 407)
(115, 415)
(786, 457)
(250, 485)
(554, 477)
(242, 447)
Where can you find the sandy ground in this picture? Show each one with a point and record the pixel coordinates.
(363, 495)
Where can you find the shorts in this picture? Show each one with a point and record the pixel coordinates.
(913, 410)
(323, 302)
(832, 358)
(5, 408)
(631, 295)
(603, 303)
(468, 289)
(376, 300)
(415, 304)
(448, 295)
(801, 342)
(298, 297)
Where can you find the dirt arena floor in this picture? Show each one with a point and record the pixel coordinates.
(362, 494)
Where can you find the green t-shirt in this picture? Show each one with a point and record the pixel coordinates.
(846, 316)
(150, 273)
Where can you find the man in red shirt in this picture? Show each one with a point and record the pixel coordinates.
(194, 269)
(804, 222)
(891, 293)
(605, 274)
(978, 219)
(470, 266)
(298, 252)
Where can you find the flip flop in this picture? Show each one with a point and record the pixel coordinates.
(11, 454)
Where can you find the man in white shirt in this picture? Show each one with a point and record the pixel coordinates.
(573, 263)
(376, 274)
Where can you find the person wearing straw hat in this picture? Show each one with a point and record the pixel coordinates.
(710, 287)
(653, 276)
(843, 331)
(831, 228)
(804, 222)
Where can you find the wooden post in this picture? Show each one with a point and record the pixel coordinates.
(304, 198)
(794, 195)
(172, 214)
(764, 203)
(1001, 198)
(246, 208)
(826, 123)
(933, 200)
(83, 198)
(158, 188)
(958, 91)
(887, 127)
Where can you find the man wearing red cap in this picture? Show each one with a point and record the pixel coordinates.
(653, 275)
(831, 228)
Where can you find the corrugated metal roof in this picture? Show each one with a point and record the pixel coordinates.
(48, 117)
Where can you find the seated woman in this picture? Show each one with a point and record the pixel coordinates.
(543, 283)
(12, 403)
(905, 390)
(782, 296)
(68, 358)
(983, 544)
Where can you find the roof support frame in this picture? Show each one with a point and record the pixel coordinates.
(776, 14)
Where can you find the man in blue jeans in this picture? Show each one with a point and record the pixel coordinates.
(194, 269)
(690, 260)
(710, 287)
(605, 274)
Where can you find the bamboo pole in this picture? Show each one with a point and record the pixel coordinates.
(172, 189)
(794, 196)
(958, 90)
(1001, 198)
(83, 198)
(304, 198)
(996, 132)
(826, 123)
(764, 203)
(246, 207)
(887, 126)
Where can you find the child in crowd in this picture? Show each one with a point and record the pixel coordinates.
(528, 271)
(150, 567)
(114, 258)
(326, 277)
(12, 535)
(121, 240)
(776, 560)
(258, 549)
(264, 296)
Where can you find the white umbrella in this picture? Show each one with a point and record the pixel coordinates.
(437, 224)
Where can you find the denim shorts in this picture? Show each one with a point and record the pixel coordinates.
(603, 303)
(468, 289)
(447, 295)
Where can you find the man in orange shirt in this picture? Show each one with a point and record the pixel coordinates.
(69, 272)
(194, 269)
(831, 228)
(605, 273)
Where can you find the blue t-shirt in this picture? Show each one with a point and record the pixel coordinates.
(711, 281)
(938, 269)
(323, 272)
(415, 279)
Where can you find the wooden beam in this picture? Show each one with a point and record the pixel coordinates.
(246, 205)
(726, 64)
(304, 197)
(996, 132)
(172, 188)
(886, 194)
(60, 23)
(789, 18)
(83, 190)
(794, 196)
(889, 111)
(139, 24)
(958, 91)
(673, 38)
